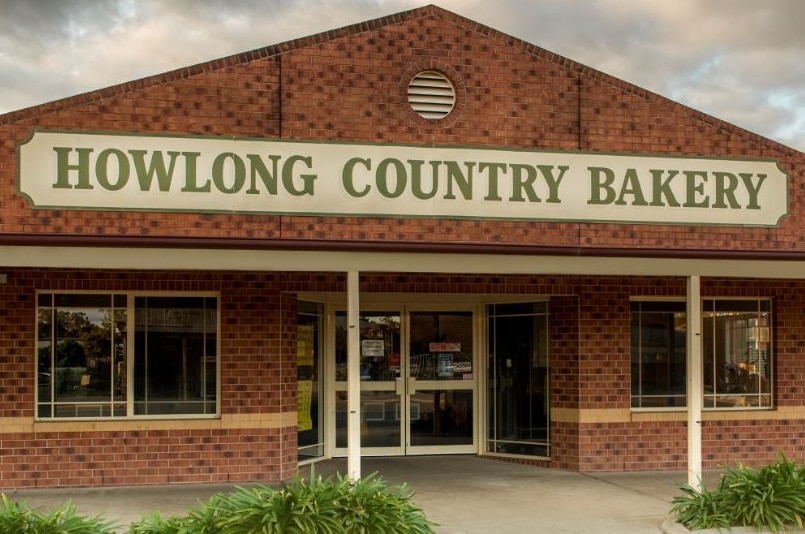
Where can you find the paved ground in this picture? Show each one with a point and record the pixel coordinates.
(463, 494)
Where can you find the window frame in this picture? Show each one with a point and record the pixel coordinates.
(770, 364)
(130, 335)
(669, 300)
(715, 408)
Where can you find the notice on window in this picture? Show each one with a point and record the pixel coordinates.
(444, 346)
(373, 348)
(444, 364)
(305, 345)
(304, 398)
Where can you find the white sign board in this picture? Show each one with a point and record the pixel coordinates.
(201, 174)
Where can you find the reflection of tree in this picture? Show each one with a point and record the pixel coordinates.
(374, 327)
(79, 340)
(83, 343)
(70, 353)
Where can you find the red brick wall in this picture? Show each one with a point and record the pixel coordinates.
(258, 376)
(663, 445)
(49, 459)
(565, 379)
(589, 328)
(351, 85)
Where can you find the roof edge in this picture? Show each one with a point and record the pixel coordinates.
(320, 245)
(373, 24)
(239, 58)
(595, 74)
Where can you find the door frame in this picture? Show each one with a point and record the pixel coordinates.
(403, 304)
(477, 303)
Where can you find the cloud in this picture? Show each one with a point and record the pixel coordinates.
(736, 59)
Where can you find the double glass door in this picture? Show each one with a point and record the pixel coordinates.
(417, 382)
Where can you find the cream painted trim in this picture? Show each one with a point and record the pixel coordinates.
(327, 261)
(27, 425)
(616, 415)
(431, 301)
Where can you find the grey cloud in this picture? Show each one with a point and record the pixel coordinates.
(730, 58)
(31, 27)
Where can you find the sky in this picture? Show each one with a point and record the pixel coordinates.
(742, 61)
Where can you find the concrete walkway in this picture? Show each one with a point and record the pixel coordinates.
(463, 494)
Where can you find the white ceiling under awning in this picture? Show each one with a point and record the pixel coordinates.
(408, 262)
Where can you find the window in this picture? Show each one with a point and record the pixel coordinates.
(518, 403)
(310, 434)
(658, 354)
(119, 355)
(736, 353)
(736, 337)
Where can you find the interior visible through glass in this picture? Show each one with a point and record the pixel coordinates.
(517, 376)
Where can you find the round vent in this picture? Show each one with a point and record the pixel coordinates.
(431, 95)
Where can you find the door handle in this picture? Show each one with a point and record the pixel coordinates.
(411, 385)
(398, 385)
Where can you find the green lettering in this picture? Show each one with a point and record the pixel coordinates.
(416, 179)
(63, 167)
(696, 197)
(146, 176)
(492, 187)
(102, 169)
(726, 184)
(190, 185)
(552, 181)
(383, 178)
(601, 190)
(347, 178)
(662, 189)
(455, 176)
(288, 176)
(631, 186)
(522, 183)
(258, 167)
(239, 175)
(752, 189)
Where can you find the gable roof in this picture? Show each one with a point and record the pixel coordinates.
(374, 24)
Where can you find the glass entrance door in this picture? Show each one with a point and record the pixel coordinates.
(417, 382)
(518, 407)
(440, 386)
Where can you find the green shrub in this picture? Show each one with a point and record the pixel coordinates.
(16, 518)
(332, 506)
(699, 509)
(772, 496)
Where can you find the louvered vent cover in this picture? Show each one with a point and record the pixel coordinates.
(431, 95)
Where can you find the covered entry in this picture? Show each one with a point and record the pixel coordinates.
(438, 374)
(417, 381)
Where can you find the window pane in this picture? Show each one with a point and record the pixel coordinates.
(737, 354)
(518, 408)
(309, 384)
(175, 361)
(44, 344)
(81, 356)
(658, 341)
(380, 346)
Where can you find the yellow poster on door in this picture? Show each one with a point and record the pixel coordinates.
(305, 345)
(304, 398)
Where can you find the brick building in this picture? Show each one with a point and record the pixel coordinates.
(547, 265)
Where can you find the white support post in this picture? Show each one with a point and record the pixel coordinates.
(353, 377)
(694, 385)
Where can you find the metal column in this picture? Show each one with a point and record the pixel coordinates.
(353, 377)
(694, 385)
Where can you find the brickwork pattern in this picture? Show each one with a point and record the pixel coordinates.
(258, 376)
(590, 367)
(349, 85)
